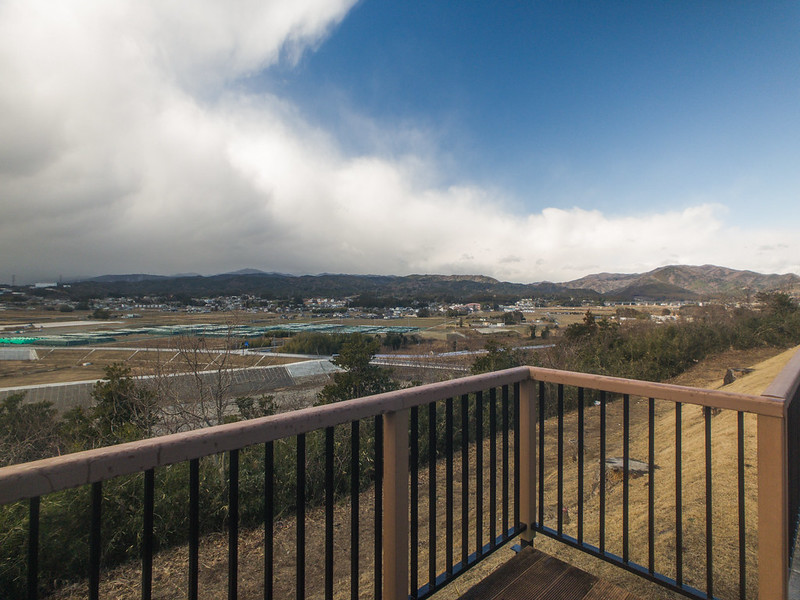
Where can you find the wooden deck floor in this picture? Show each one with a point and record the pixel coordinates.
(534, 575)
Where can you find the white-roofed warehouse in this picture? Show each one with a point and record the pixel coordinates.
(18, 353)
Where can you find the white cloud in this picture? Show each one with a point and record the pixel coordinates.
(125, 148)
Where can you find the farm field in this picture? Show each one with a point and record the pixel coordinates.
(145, 353)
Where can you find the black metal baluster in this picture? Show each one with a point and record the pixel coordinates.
(269, 511)
(378, 548)
(413, 467)
(651, 469)
(580, 463)
(329, 493)
(678, 499)
(504, 409)
(432, 500)
(355, 450)
(516, 455)
(300, 489)
(448, 550)
(541, 452)
(33, 548)
(709, 544)
(94, 541)
(479, 474)
(602, 516)
(560, 456)
(742, 548)
(147, 534)
(194, 526)
(493, 468)
(233, 525)
(626, 457)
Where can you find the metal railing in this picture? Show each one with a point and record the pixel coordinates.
(391, 452)
(456, 431)
(504, 414)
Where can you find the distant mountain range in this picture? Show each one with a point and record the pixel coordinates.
(676, 282)
(686, 281)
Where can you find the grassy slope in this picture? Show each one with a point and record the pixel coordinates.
(767, 364)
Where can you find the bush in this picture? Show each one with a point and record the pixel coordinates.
(309, 342)
(28, 431)
(655, 352)
(497, 358)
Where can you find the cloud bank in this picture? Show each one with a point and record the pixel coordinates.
(127, 144)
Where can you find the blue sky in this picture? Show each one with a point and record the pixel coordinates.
(602, 105)
(526, 141)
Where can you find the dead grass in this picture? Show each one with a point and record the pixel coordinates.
(170, 566)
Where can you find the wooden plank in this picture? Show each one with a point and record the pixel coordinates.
(603, 590)
(504, 575)
(760, 405)
(395, 505)
(571, 584)
(530, 583)
(534, 575)
(773, 506)
(537, 581)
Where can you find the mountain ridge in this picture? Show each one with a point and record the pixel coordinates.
(702, 280)
(670, 282)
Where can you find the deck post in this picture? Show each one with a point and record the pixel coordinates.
(527, 459)
(773, 496)
(395, 505)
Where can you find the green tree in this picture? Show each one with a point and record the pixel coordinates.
(585, 329)
(28, 431)
(122, 412)
(496, 358)
(778, 303)
(513, 317)
(101, 313)
(359, 378)
(253, 408)
(312, 342)
(394, 340)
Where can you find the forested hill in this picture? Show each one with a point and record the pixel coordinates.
(705, 280)
(447, 288)
(676, 282)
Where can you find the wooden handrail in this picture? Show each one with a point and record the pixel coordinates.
(37, 478)
(41, 477)
(785, 386)
(759, 405)
(773, 485)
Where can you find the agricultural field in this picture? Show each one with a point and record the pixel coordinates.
(146, 354)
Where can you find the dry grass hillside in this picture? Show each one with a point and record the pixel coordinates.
(766, 364)
(170, 566)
